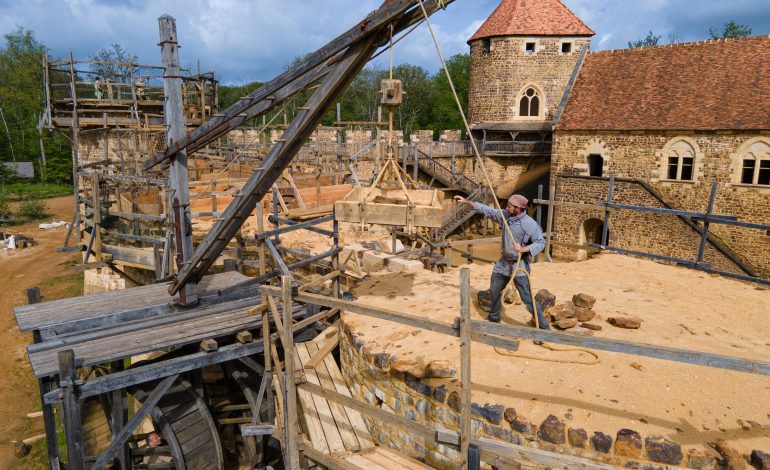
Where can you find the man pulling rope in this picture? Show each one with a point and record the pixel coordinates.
(527, 242)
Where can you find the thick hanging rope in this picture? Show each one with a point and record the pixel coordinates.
(488, 182)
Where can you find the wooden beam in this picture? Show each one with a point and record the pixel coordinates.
(173, 114)
(465, 364)
(328, 346)
(119, 439)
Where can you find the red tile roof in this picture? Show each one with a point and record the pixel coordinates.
(532, 18)
(708, 85)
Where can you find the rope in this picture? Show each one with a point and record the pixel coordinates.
(476, 152)
(506, 352)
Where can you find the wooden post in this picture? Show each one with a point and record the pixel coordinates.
(119, 416)
(175, 131)
(336, 259)
(75, 154)
(549, 221)
(73, 429)
(97, 208)
(539, 209)
(290, 387)
(465, 364)
(45, 385)
(606, 227)
(705, 233)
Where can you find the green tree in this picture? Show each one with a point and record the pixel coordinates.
(415, 110)
(21, 98)
(444, 112)
(114, 63)
(731, 30)
(650, 40)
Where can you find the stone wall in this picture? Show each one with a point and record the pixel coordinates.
(717, 158)
(395, 387)
(498, 77)
(126, 150)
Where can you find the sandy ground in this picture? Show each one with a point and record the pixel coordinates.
(20, 269)
(680, 308)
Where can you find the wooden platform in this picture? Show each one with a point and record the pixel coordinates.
(334, 429)
(108, 306)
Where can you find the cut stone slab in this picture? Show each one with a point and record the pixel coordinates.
(375, 261)
(628, 323)
(401, 265)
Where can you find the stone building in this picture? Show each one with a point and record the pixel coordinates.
(667, 122)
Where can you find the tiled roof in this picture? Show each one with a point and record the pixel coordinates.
(707, 85)
(532, 18)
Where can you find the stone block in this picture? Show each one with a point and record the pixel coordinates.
(401, 265)
(629, 323)
(660, 449)
(583, 300)
(439, 393)
(375, 261)
(440, 369)
(565, 323)
(552, 430)
(454, 401)
(492, 413)
(545, 299)
(562, 311)
(577, 437)
(509, 415)
(700, 460)
(760, 460)
(584, 314)
(601, 442)
(628, 443)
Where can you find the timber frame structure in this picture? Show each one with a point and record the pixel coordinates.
(245, 326)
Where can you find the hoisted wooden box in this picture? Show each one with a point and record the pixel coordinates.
(415, 208)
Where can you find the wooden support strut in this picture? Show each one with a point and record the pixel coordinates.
(360, 48)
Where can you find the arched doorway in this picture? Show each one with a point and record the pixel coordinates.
(591, 232)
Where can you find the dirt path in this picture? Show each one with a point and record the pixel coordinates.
(57, 278)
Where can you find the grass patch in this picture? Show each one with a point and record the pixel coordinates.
(16, 191)
(70, 285)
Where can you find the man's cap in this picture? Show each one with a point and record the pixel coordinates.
(519, 201)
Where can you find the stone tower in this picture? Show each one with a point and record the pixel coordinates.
(522, 58)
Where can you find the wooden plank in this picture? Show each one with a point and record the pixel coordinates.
(627, 347)
(400, 459)
(321, 353)
(328, 461)
(375, 413)
(328, 424)
(491, 448)
(313, 427)
(363, 462)
(356, 420)
(349, 439)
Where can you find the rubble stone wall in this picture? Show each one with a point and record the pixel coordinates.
(644, 156)
(374, 379)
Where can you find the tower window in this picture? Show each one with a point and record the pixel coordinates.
(485, 46)
(566, 47)
(530, 103)
(530, 48)
(595, 164)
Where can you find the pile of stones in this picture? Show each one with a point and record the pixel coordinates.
(576, 315)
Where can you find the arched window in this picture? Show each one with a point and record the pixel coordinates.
(529, 105)
(595, 165)
(680, 162)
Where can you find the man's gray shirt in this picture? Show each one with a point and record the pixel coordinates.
(525, 231)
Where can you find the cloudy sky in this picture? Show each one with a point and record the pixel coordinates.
(252, 40)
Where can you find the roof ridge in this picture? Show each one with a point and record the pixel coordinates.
(700, 42)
